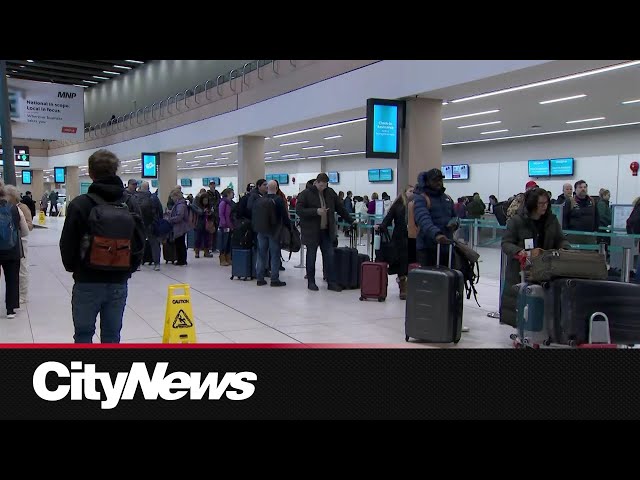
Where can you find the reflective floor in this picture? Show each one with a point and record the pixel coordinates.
(235, 311)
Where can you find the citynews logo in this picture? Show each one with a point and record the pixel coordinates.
(176, 385)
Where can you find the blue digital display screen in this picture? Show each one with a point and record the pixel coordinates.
(374, 175)
(334, 177)
(538, 168)
(385, 129)
(60, 174)
(386, 174)
(149, 165)
(26, 177)
(561, 166)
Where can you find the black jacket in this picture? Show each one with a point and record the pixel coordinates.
(75, 227)
(307, 209)
(581, 214)
(28, 201)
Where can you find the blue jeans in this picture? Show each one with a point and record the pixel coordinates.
(89, 299)
(326, 247)
(270, 244)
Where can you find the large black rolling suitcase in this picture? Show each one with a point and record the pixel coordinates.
(570, 303)
(434, 303)
(169, 252)
(347, 261)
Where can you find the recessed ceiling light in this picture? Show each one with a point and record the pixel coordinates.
(23, 66)
(313, 148)
(494, 131)
(291, 155)
(320, 128)
(470, 115)
(338, 155)
(294, 143)
(480, 124)
(549, 82)
(332, 151)
(268, 158)
(30, 61)
(101, 78)
(112, 73)
(209, 148)
(221, 158)
(332, 137)
(630, 101)
(542, 133)
(83, 86)
(212, 163)
(586, 120)
(272, 153)
(562, 99)
(225, 153)
(122, 66)
(89, 81)
(203, 156)
(134, 61)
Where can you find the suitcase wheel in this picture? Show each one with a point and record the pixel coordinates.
(362, 299)
(513, 336)
(382, 299)
(406, 338)
(231, 277)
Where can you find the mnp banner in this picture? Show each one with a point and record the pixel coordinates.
(46, 111)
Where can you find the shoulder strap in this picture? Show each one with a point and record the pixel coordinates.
(428, 200)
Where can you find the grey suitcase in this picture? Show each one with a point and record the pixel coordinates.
(434, 303)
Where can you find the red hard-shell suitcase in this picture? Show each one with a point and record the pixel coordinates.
(374, 280)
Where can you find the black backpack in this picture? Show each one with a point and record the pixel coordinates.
(116, 236)
(500, 211)
(263, 216)
(147, 207)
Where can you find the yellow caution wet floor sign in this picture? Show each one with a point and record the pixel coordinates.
(179, 326)
(41, 218)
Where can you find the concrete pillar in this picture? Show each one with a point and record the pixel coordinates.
(36, 187)
(421, 147)
(167, 175)
(72, 185)
(251, 165)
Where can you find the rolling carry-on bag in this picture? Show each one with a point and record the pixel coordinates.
(374, 280)
(434, 303)
(241, 264)
(346, 264)
(570, 303)
(169, 252)
(530, 316)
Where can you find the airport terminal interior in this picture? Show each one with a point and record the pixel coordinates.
(484, 123)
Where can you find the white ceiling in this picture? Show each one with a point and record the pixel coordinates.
(519, 112)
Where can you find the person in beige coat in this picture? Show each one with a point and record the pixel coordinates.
(26, 225)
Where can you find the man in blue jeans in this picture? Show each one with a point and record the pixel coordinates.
(98, 290)
(269, 215)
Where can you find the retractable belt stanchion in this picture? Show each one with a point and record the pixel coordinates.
(503, 270)
(302, 255)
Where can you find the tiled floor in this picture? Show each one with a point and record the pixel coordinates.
(235, 311)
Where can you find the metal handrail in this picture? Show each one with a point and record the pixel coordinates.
(176, 99)
(195, 93)
(206, 92)
(244, 73)
(218, 84)
(168, 103)
(102, 129)
(231, 78)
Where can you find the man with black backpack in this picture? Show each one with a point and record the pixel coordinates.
(151, 211)
(102, 243)
(268, 216)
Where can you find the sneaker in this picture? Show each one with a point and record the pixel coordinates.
(313, 287)
(278, 283)
(156, 268)
(281, 268)
(261, 282)
(465, 329)
(11, 314)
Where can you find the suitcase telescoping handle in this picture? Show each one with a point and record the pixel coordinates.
(599, 328)
(450, 244)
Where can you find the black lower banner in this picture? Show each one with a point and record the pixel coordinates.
(348, 383)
